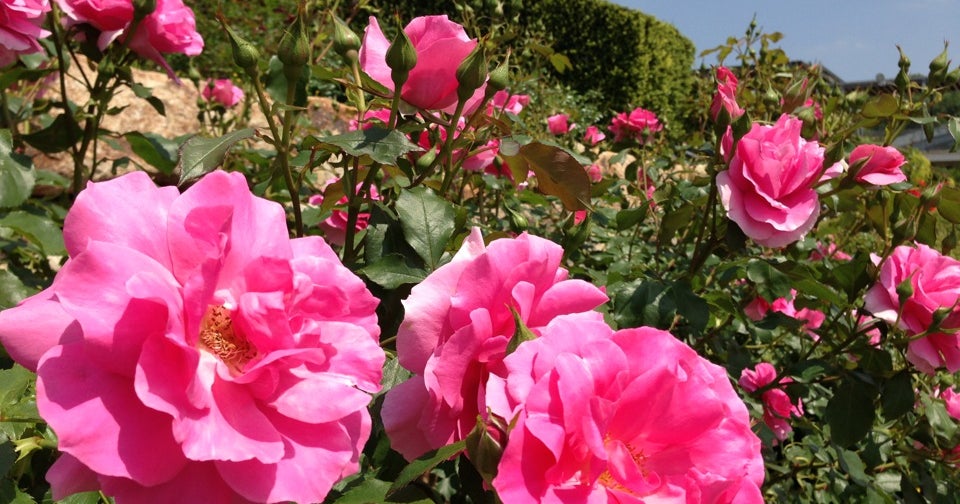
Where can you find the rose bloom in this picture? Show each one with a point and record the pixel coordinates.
(630, 416)
(935, 281)
(222, 91)
(881, 165)
(441, 46)
(777, 406)
(456, 329)
(190, 351)
(726, 95)
(171, 28)
(558, 124)
(595, 173)
(829, 251)
(812, 319)
(593, 135)
(335, 227)
(20, 22)
(639, 125)
(505, 102)
(951, 398)
(768, 190)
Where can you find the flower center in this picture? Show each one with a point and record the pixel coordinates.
(219, 338)
(620, 478)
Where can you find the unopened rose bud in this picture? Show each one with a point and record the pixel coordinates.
(245, 54)
(938, 69)
(426, 160)
(143, 8)
(345, 42)
(401, 57)
(500, 77)
(904, 291)
(472, 73)
(294, 48)
(904, 61)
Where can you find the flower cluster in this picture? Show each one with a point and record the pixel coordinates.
(183, 346)
(21, 28)
(638, 125)
(777, 405)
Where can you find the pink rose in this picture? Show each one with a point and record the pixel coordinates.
(181, 350)
(880, 165)
(505, 102)
(171, 28)
(593, 135)
(456, 329)
(639, 125)
(726, 96)
(934, 280)
(768, 189)
(812, 319)
(20, 28)
(558, 124)
(595, 173)
(614, 417)
(777, 406)
(335, 227)
(829, 251)
(951, 398)
(222, 91)
(441, 46)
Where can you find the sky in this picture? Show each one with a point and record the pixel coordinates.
(854, 39)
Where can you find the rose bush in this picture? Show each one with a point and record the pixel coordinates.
(457, 326)
(628, 416)
(183, 347)
(440, 45)
(768, 190)
(20, 28)
(916, 286)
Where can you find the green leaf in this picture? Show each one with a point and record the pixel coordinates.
(425, 463)
(428, 223)
(392, 271)
(897, 397)
(40, 231)
(17, 175)
(771, 282)
(147, 94)
(851, 463)
(156, 150)
(559, 174)
(629, 217)
(59, 136)
(82, 498)
(381, 144)
(12, 290)
(674, 221)
(884, 105)
(949, 204)
(199, 155)
(393, 374)
(521, 332)
(954, 127)
(850, 412)
(365, 491)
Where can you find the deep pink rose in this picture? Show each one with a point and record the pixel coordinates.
(20, 22)
(456, 328)
(190, 351)
(505, 102)
(593, 135)
(881, 165)
(812, 319)
(335, 227)
(558, 124)
(726, 95)
(935, 281)
(621, 417)
(222, 91)
(768, 189)
(441, 46)
(171, 28)
(777, 405)
(639, 125)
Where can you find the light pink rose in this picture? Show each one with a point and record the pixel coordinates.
(726, 95)
(881, 165)
(639, 125)
(558, 124)
(171, 28)
(222, 91)
(593, 135)
(812, 319)
(190, 351)
(456, 328)
(777, 405)
(20, 22)
(768, 190)
(441, 46)
(505, 102)
(935, 281)
(621, 417)
(335, 227)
